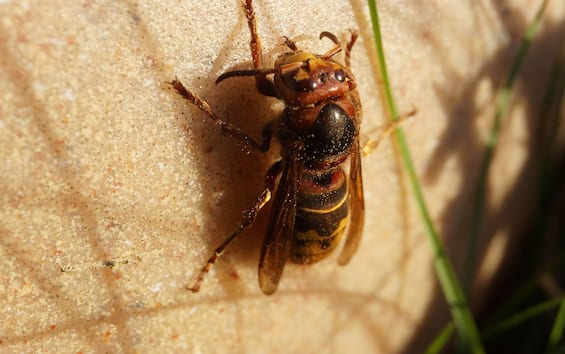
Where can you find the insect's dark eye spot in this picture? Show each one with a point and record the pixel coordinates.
(305, 85)
(340, 75)
(324, 77)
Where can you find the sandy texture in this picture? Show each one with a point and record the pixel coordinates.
(101, 161)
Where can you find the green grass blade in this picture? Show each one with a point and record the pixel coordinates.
(441, 339)
(521, 317)
(462, 317)
(556, 334)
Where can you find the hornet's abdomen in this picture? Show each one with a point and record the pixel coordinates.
(321, 216)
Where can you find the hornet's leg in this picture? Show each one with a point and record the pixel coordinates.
(248, 219)
(227, 127)
(263, 84)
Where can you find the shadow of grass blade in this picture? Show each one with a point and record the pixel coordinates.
(462, 317)
(502, 104)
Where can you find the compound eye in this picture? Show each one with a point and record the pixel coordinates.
(340, 75)
(301, 79)
(303, 85)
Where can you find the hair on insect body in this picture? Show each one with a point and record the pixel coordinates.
(315, 203)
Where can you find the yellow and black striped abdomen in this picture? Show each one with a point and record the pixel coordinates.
(322, 214)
